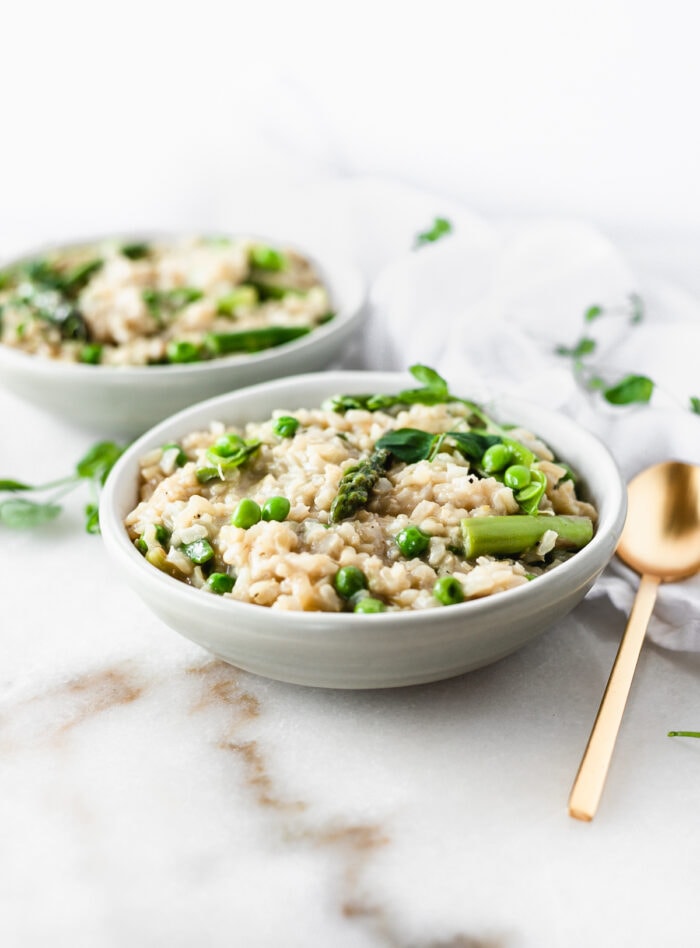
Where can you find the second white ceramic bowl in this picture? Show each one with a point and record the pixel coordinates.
(347, 650)
(124, 401)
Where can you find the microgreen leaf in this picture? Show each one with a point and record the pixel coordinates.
(473, 445)
(94, 466)
(440, 228)
(92, 518)
(20, 513)
(585, 346)
(412, 444)
(99, 460)
(593, 312)
(434, 391)
(633, 389)
(343, 403)
(695, 404)
(408, 444)
(379, 402)
(9, 484)
(429, 377)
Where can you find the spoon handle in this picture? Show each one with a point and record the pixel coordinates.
(590, 779)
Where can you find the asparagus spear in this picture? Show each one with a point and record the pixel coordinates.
(516, 534)
(356, 484)
(252, 340)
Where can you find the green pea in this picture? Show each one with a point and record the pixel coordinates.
(276, 508)
(519, 453)
(517, 476)
(199, 551)
(496, 458)
(448, 591)
(221, 583)
(91, 354)
(267, 258)
(226, 446)
(349, 580)
(368, 604)
(180, 457)
(285, 426)
(141, 545)
(246, 514)
(180, 350)
(412, 541)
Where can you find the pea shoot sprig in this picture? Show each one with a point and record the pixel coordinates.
(440, 228)
(18, 512)
(631, 389)
(433, 390)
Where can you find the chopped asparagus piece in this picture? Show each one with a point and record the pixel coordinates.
(487, 536)
(252, 340)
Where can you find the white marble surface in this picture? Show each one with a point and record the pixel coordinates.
(150, 795)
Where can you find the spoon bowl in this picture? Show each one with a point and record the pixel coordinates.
(661, 536)
(661, 541)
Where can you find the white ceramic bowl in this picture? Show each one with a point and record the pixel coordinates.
(126, 400)
(346, 650)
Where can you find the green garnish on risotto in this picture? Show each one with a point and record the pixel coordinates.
(163, 302)
(369, 503)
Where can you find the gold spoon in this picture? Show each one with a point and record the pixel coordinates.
(661, 541)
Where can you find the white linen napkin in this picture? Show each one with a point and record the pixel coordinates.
(487, 305)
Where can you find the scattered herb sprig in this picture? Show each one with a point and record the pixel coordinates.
(631, 389)
(21, 513)
(440, 228)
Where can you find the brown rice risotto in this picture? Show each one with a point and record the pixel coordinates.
(160, 302)
(365, 504)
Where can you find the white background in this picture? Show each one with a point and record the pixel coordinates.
(137, 114)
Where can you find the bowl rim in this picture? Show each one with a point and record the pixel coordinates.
(331, 268)
(570, 575)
